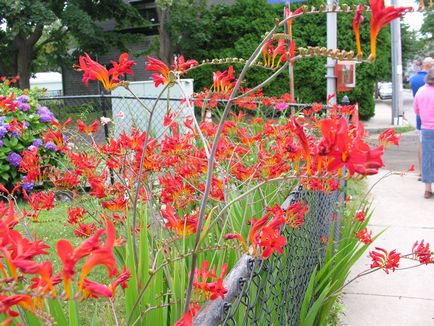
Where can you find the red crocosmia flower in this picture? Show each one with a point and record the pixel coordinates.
(231, 236)
(223, 82)
(358, 18)
(102, 256)
(88, 130)
(7, 104)
(385, 260)
(64, 179)
(98, 186)
(95, 290)
(382, 16)
(121, 280)
(360, 216)
(180, 65)
(183, 227)
(22, 300)
(39, 201)
(388, 136)
(270, 240)
(422, 253)
(44, 270)
(364, 236)
(159, 66)
(92, 70)
(295, 213)
(256, 228)
(84, 230)
(30, 164)
(123, 67)
(411, 168)
(208, 283)
(70, 256)
(116, 204)
(187, 318)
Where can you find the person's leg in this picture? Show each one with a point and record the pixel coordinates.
(419, 154)
(428, 190)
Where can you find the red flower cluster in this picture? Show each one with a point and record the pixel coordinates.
(294, 214)
(208, 284)
(422, 253)
(364, 236)
(384, 259)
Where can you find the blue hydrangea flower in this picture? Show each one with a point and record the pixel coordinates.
(23, 99)
(45, 114)
(37, 142)
(51, 146)
(14, 159)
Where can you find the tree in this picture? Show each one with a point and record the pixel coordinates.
(234, 31)
(427, 30)
(30, 26)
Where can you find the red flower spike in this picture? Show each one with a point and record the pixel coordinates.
(387, 137)
(358, 19)
(92, 70)
(208, 283)
(231, 236)
(182, 226)
(187, 318)
(422, 253)
(95, 290)
(364, 236)
(360, 216)
(158, 66)
(382, 16)
(88, 130)
(385, 260)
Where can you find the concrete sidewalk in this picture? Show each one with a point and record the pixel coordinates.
(404, 297)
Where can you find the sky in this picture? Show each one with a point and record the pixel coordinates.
(413, 19)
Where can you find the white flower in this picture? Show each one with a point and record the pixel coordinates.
(105, 120)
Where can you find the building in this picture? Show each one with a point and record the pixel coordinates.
(146, 38)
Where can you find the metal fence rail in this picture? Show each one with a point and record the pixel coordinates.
(271, 292)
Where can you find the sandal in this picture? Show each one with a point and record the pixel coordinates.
(427, 194)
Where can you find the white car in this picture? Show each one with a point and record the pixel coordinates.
(385, 90)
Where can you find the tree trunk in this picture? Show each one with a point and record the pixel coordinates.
(165, 52)
(25, 54)
(24, 62)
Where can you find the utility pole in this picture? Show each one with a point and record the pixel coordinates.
(396, 68)
(332, 23)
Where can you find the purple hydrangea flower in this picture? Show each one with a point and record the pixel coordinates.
(1, 143)
(23, 99)
(45, 114)
(14, 159)
(51, 146)
(31, 148)
(37, 142)
(3, 131)
(27, 186)
(23, 106)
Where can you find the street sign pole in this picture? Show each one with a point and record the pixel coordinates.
(396, 68)
(331, 44)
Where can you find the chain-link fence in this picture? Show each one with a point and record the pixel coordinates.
(125, 112)
(271, 292)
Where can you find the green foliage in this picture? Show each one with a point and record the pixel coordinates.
(41, 32)
(20, 126)
(233, 31)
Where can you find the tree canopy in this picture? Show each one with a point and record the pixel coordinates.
(203, 32)
(53, 27)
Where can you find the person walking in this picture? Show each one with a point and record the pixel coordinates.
(424, 107)
(417, 81)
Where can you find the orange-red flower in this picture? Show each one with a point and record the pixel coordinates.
(181, 226)
(385, 260)
(358, 18)
(223, 82)
(388, 136)
(91, 129)
(422, 253)
(159, 66)
(364, 236)
(382, 16)
(92, 70)
(210, 285)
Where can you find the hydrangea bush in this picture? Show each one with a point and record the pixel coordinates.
(26, 126)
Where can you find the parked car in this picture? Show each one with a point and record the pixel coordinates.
(385, 90)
